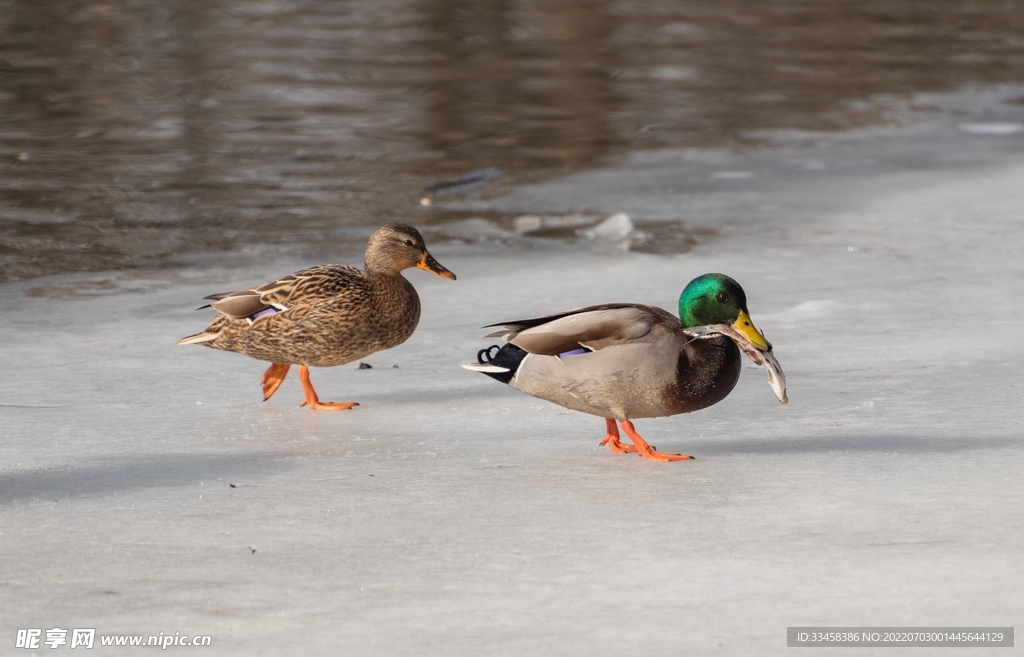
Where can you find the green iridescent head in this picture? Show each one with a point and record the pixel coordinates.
(718, 299)
(711, 299)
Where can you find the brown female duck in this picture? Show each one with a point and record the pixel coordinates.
(326, 315)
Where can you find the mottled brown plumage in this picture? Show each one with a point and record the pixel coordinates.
(326, 315)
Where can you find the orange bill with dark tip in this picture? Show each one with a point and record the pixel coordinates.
(434, 267)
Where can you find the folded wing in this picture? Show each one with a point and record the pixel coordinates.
(591, 328)
(306, 286)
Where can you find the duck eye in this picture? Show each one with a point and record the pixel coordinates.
(408, 243)
(722, 297)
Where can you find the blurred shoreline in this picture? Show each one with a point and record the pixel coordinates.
(133, 135)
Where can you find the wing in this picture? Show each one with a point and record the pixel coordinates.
(309, 285)
(591, 328)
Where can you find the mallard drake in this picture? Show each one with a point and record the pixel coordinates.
(326, 315)
(625, 361)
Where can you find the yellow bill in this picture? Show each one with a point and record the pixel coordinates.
(745, 327)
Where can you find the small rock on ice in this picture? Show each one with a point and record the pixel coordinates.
(992, 128)
(613, 229)
(527, 223)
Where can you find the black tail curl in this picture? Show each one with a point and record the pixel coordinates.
(508, 356)
(486, 356)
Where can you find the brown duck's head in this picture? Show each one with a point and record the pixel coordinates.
(395, 247)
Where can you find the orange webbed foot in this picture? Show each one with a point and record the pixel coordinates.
(329, 406)
(313, 401)
(647, 451)
(612, 439)
(273, 378)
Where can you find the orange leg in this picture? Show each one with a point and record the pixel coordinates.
(273, 378)
(313, 401)
(646, 450)
(612, 438)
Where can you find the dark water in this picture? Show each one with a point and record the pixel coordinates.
(132, 131)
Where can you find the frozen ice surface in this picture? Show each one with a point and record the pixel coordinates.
(144, 488)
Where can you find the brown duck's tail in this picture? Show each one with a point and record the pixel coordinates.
(198, 338)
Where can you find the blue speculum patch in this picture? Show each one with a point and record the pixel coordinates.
(574, 352)
(263, 313)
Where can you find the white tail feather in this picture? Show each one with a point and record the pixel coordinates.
(485, 367)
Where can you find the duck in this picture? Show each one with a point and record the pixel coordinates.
(324, 316)
(624, 361)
